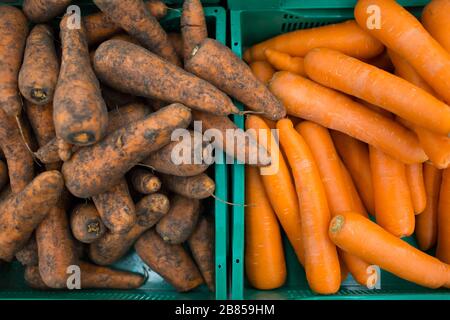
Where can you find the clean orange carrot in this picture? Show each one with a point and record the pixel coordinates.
(382, 61)
(393, 204)
(414, 176)
(346, 37)
(262, 70)
(338, 192)
(355, 155)
(400, 31)
(321, 259)
(360, 236)
(279, 186)
(308, 100)
(443, 241)
(436, 20)
(356, 199)
(284, 62)
(426, 222)
(264, 257)
(349, 75)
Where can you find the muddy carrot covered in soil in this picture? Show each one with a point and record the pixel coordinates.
(135, 19)
(172, 262)
(18, 157)
(116, 208)
(177, 42)
(100, 27)
(22, 213)
(144, 181)
(195, 187)
(193, 26)
(130, 68)
(40, 68)
(40, 11)
(41, 120)
(112, 246)
(13, 34)
(93, 170)
(86, 224)
(179, 223)
(217, 64)
(28, 255)
(201, 242)
(3, 174)
(79, 113)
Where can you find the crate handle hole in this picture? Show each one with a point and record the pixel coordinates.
(237, 260)
(216, 10)
(235, 44)
(220, 266)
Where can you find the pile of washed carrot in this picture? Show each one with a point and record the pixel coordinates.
(366, 135)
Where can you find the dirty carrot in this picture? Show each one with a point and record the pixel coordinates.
(414, 176)
(195, 187)
(94, 169)
(346, 37)
(193, 26)
(135, 19)
(13, 34)
(28, 255)
(39, 11)
(262, 70)
(39, 72)
(321, 258)
(177, 42)
(306, 99)
(41, 120)
(349, 75)
(86, 224)
(424, 53)
(426, 222)
(265, 265)
(443, 219)
(284, 62)
(144, 181)
(3, 174)
(387, 251)
(115, 64)
(394, 209)
(218, 65)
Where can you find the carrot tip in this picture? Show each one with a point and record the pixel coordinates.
(337, 223)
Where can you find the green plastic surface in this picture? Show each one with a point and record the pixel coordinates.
(249, 27)
(12, 285)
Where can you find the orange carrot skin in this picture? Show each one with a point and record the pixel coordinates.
(443, 241)
(193, 26)
(349, 75)
(387, 251)
(346, 37)
(264, 256)
(308, 100)
(426, 222)
(414, 176)
(13, 34)
(356, 199)
(262, 70)
(321, 259)
(436, 20)
(403, 33)
(280, 188)
(284, 62)
(355, 155)
(393, 204)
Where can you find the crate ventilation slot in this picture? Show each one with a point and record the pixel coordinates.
(292, 23)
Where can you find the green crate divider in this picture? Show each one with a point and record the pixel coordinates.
(12, 284)
(247, 28)
(305, 4)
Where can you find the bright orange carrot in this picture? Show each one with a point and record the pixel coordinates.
(443, 241)
(338, 192)
(321, 259)
(262, 70)
(426, 222)
(308, 100)
(400, 31)
(279, 186)
(360, 236)
(346, 37)
(414, 176)
(349, 75)
(284, 62)
(356, 199)
(264, 257)
(382, 61)
(436, 20)
(355, 155)
(393, 204)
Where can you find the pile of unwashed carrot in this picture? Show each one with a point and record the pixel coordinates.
(86, 118)
(366, 135)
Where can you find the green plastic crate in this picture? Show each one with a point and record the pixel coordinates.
(249, 27)
(12, 284)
